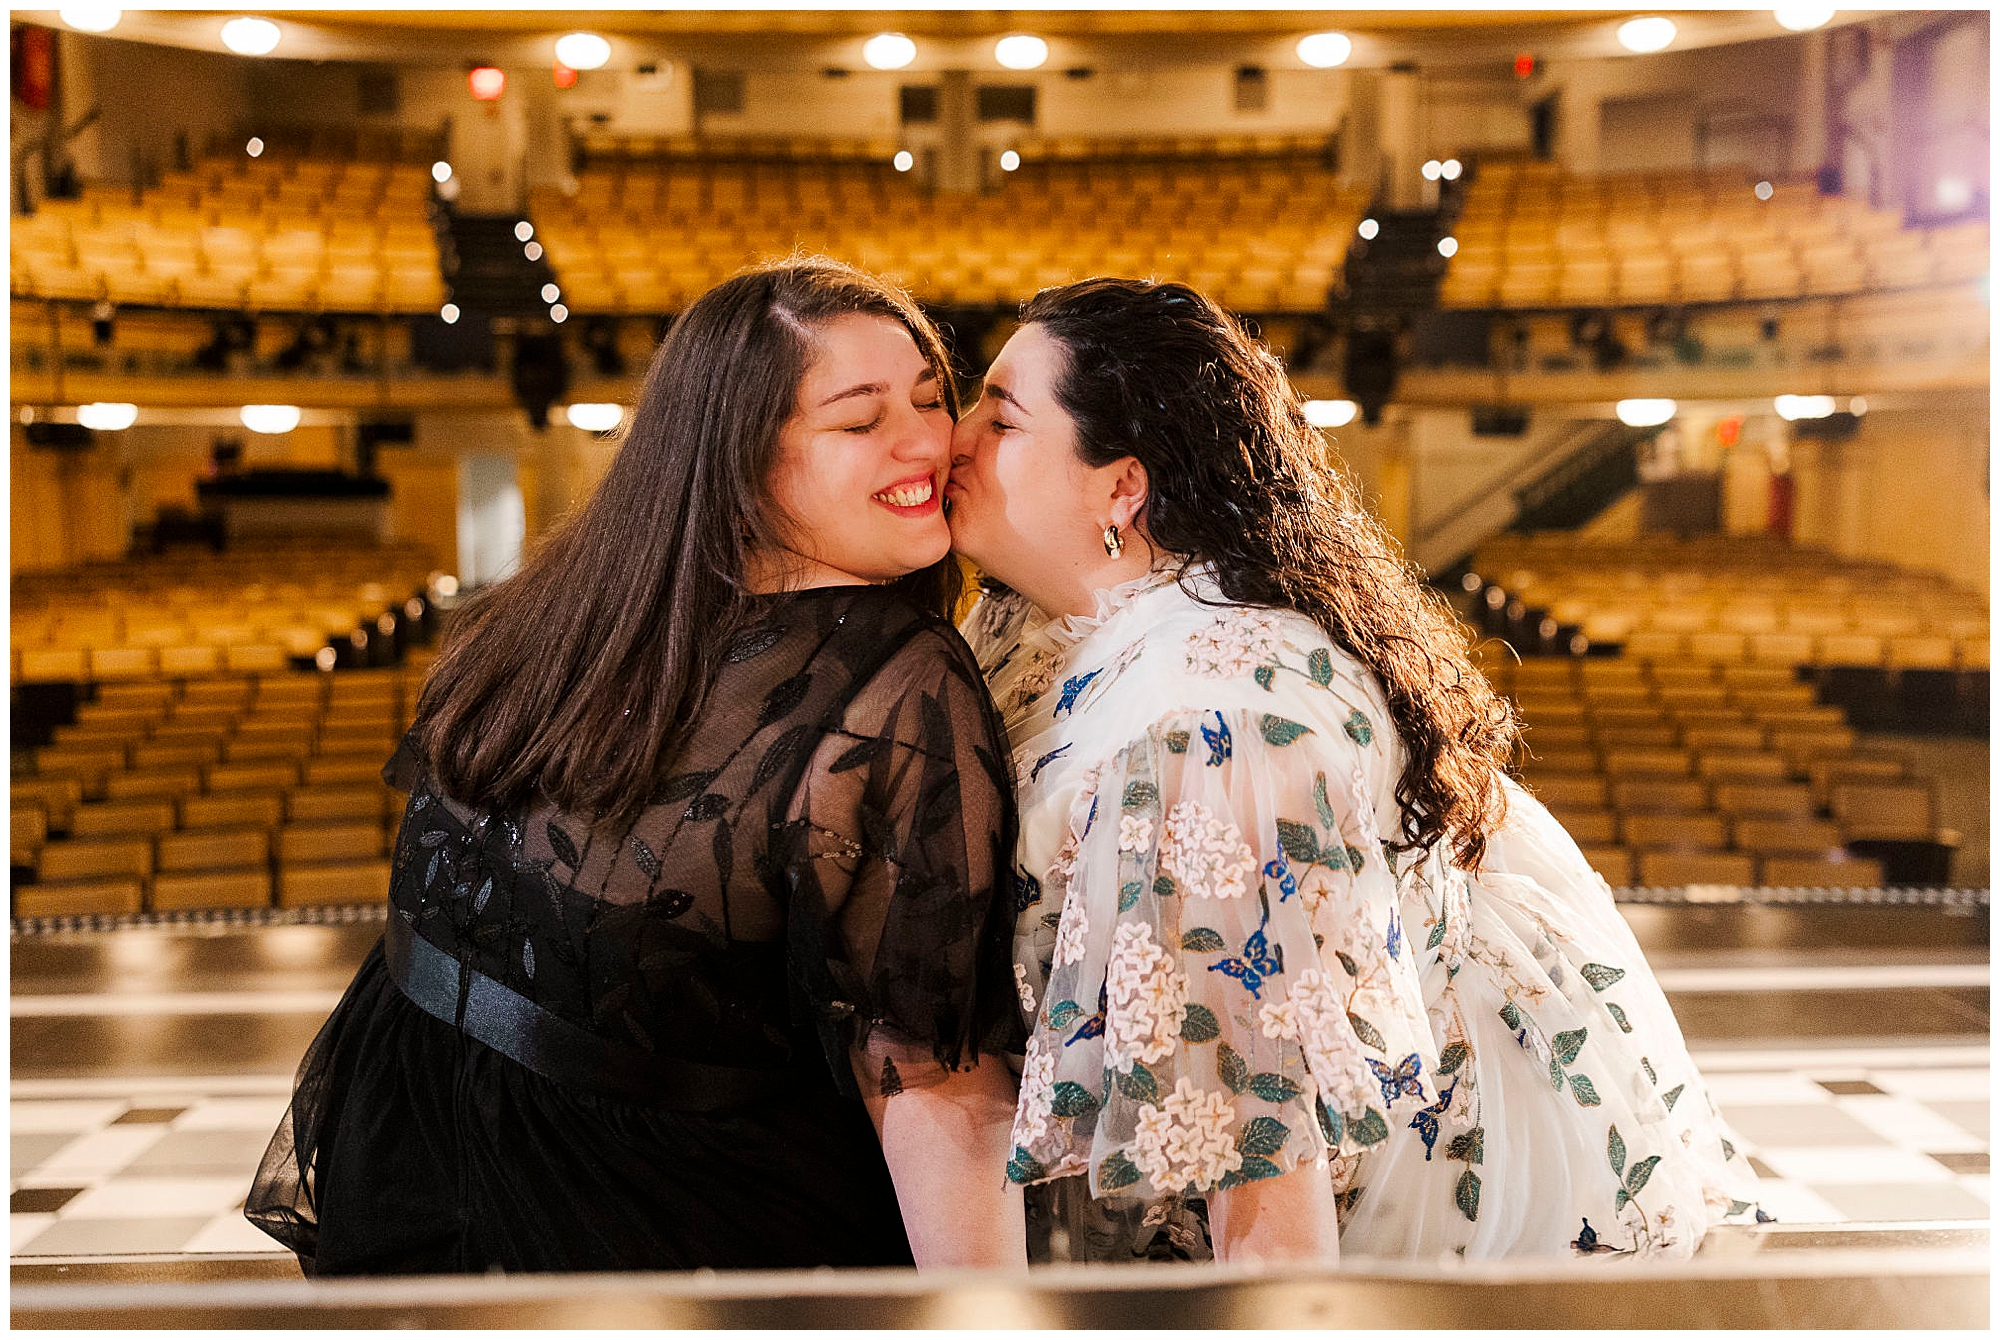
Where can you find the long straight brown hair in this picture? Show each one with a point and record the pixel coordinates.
(580, 675)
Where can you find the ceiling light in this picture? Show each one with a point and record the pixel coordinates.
(1331, 413)
(106, 416)
(440, 172)
(888, 51)
(270, 418)
(1803, 18)
(1794, 407)
(1646, 35)
(596, 418)
(1009, 160)
(1021, 52)
(1368, 229)
(91, 18)
(449, 313)
(904, 160)
(250, 37)
(583, 51)
(1450, 169)
(1323, 51)
(1645, 413)
(1447, 247)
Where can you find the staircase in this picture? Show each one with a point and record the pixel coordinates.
(1397, 272)
(486, 269)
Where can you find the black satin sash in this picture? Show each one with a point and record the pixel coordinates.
(557, 1049)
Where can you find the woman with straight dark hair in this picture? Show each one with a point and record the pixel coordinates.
(1299, 957)
(697, 948)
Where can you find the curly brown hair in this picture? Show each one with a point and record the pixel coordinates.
(1237, 478)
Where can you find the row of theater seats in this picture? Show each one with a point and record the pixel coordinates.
(1531, 236)
(252, 610)
(214, 793)
(1727, 600)
(241, 232)
(604, 147)
(1693, 774)
(1257, 234)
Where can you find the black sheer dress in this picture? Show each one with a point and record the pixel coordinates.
(581, 1048)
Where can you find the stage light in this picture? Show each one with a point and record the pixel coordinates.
(440, 172)
(1368, 229)
(550, 292)
(1447, 247)
(1323, 51)
(558, 314)
(270, 418)
(1021, 52)
(449, 313)
(1953, 192)
(1763, 190)
(1803, 18)
(904, 160)
(250, 37)
(583, 51)
(1331, 413)
(1645, 413)
(1792, 408)
(91, 18)
(107, 416)
(1432, 170)
(888, 51)
(1646, 35)
(523, 231)
(255, 148)
(596, 418)
(1009, 160)
(1450, 169)
(486, 82)
(533, 251)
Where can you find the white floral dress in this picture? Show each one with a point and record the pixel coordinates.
(1227, 971)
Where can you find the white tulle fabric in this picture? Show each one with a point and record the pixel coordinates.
(1229, 973)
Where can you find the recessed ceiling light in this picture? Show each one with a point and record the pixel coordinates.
(1323, 51)
(888, 51)
(250, 37)
(1647, 35)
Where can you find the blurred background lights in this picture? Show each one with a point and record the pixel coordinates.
(888, 51)
(1649, 34)
(1803, 18)
(1645, 413)
(1009, 160)
(905, 160)
(91, 18)
(523, 231)
(582, 51)
(1331, 413)
(270, 418)
(1021, 52)
(449, 313)
(1368, 228)
(326, 658)
(558, 314)
(440, 171)
(533, 251)
(1858, 406)
(550, 292)
(107, 416)
(250, 37)
(254, 147)
(1432, 169)
(1451, 169)
(1794, 407)
(1763, 190)
(487, 82)
(1323, 51)
(1447, 247)
(596, 418)
(1953, 193)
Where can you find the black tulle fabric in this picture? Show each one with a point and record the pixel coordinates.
(815, 891)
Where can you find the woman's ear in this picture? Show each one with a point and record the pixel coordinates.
(1128, 492)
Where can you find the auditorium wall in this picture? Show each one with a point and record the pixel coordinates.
(147, 97)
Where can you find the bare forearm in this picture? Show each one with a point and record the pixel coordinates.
(947, 1147)
(1288, 1218)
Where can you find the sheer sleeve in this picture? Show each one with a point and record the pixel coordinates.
(1229, 988)
(899, 923)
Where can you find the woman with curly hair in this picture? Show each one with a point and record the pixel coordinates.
(1294, 950)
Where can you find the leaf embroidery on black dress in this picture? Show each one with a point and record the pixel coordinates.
(562, 846)
(643, 856)
(711, 806)
(686, 784)
(754, 643)
(783, 700)
(776, 758)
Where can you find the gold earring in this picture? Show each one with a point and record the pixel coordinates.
(1114, 544)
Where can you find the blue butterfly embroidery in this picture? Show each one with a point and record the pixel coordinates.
(1091, 822)
(1260, 959)
(1093, 1027)
(1406, 1078)
(1425, 1123)
(1220, 746)
(1071, 688)
(1047, 759)
(1027, 890)
(1395, 942)
(1278, 870)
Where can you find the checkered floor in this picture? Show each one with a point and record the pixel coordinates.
(160, 1167)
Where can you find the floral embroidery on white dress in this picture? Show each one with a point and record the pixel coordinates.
(1205, 855)
(1186, 1141)
(1037, 1101)
(1146, 993)
(1233, 645)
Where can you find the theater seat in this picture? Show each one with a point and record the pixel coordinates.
(333, 882)
(1810, 872)
(1672, 869)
